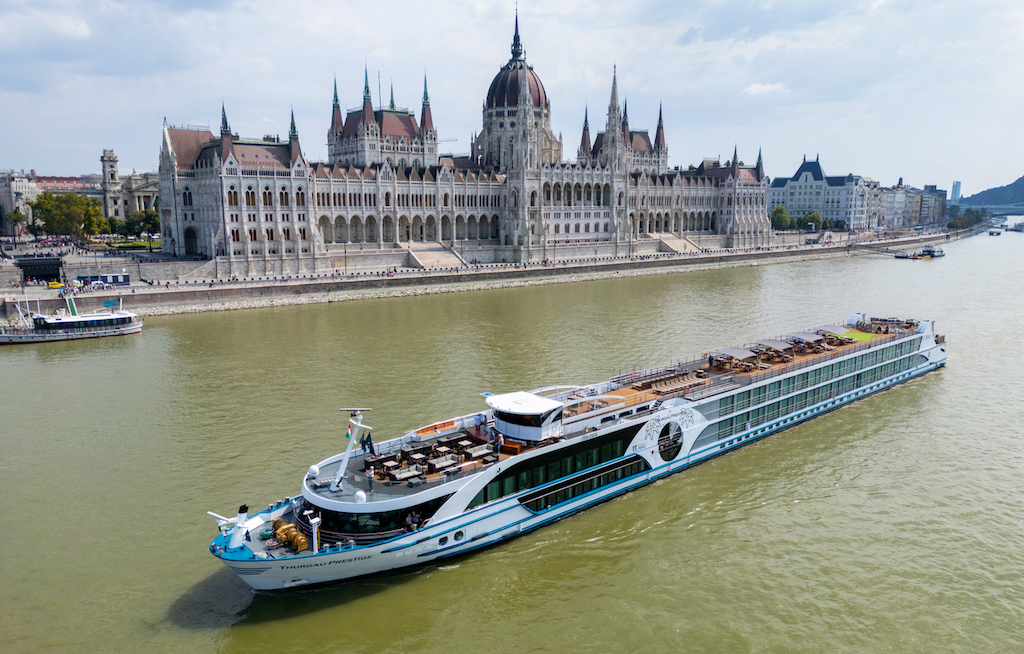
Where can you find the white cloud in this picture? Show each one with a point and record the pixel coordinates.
(758, 89)
(881, 89)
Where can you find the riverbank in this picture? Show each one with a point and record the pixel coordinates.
(148, 300)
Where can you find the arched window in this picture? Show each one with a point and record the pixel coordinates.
(232, 197)
(186, 197)
(250, 198)
(284, 197)
(533, 199)
(577, 228)
(556, 228)
(387, 199)
(446, 199)
(268, 197)
(300, 198)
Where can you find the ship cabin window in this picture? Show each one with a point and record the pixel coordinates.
(610, 418)
(336, 525)
(535, 420)
(552, 466)
(796, 404)
(626, 413)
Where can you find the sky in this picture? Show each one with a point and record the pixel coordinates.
(928, 91)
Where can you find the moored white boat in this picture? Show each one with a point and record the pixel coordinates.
(532, 458)
(68, 324)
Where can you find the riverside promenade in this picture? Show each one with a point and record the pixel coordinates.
(195, 296)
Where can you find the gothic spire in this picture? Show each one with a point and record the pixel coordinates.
(426, 120)
(224, 128)
(735, 156)
(367, 114)
(615, 89)
(625, 123)
(517, 45)
(760, 163)
(293, 134)
(585, 141)
(659, 135)
(392, 96)
(337, 123)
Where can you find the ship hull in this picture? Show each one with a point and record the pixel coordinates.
(509, 517)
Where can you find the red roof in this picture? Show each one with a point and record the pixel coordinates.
(187, 144)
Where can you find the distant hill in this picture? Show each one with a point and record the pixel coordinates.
(1009, 194)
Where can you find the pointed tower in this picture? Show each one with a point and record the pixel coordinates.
(659, 135)
(225, 134)
(585, 148)
(392, 105)
(426, 120)
(337, 123)
(760, 165)
(625, 124)
(225, 130)
(367, 116)
(735, 156)
(294, 151)
(660, 148)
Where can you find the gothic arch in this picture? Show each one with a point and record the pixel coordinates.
(326, 229)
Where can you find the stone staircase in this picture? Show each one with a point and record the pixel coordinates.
(673, 243)
(434, 256)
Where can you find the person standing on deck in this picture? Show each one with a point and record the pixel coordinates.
(498, 442)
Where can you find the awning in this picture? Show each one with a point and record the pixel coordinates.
(522, 403)
(807, 336)
(737, 353)
(832, 329)
(777, 345)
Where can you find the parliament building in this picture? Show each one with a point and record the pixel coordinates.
(387, 197)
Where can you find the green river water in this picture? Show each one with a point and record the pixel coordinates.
(892, 525)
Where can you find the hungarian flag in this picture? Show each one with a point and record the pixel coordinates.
(351, 431)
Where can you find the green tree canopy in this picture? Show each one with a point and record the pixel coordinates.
(812, 217)
(71, 214)
(781, 219)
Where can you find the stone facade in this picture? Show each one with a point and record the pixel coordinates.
(844, 198)
(261, 208)
(125, 195)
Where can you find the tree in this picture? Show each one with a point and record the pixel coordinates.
(16, 218)
(812, 217)
(781, 219)
(954, 212)
(70, 213)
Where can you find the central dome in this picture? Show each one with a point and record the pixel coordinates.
(507, 84)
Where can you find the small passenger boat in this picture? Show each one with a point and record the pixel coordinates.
(68, 324)
(534, 457)
(932, 251)
(902, 255)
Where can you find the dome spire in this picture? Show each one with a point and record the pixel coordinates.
(517, 45)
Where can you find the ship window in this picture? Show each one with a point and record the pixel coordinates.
(555, 465)
(443, 541)
(459, 535)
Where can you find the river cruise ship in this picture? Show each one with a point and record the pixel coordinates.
(68, 324)
(533, 457)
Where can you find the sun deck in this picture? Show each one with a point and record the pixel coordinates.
(731, 368)
(426, 461)
(453, 450)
